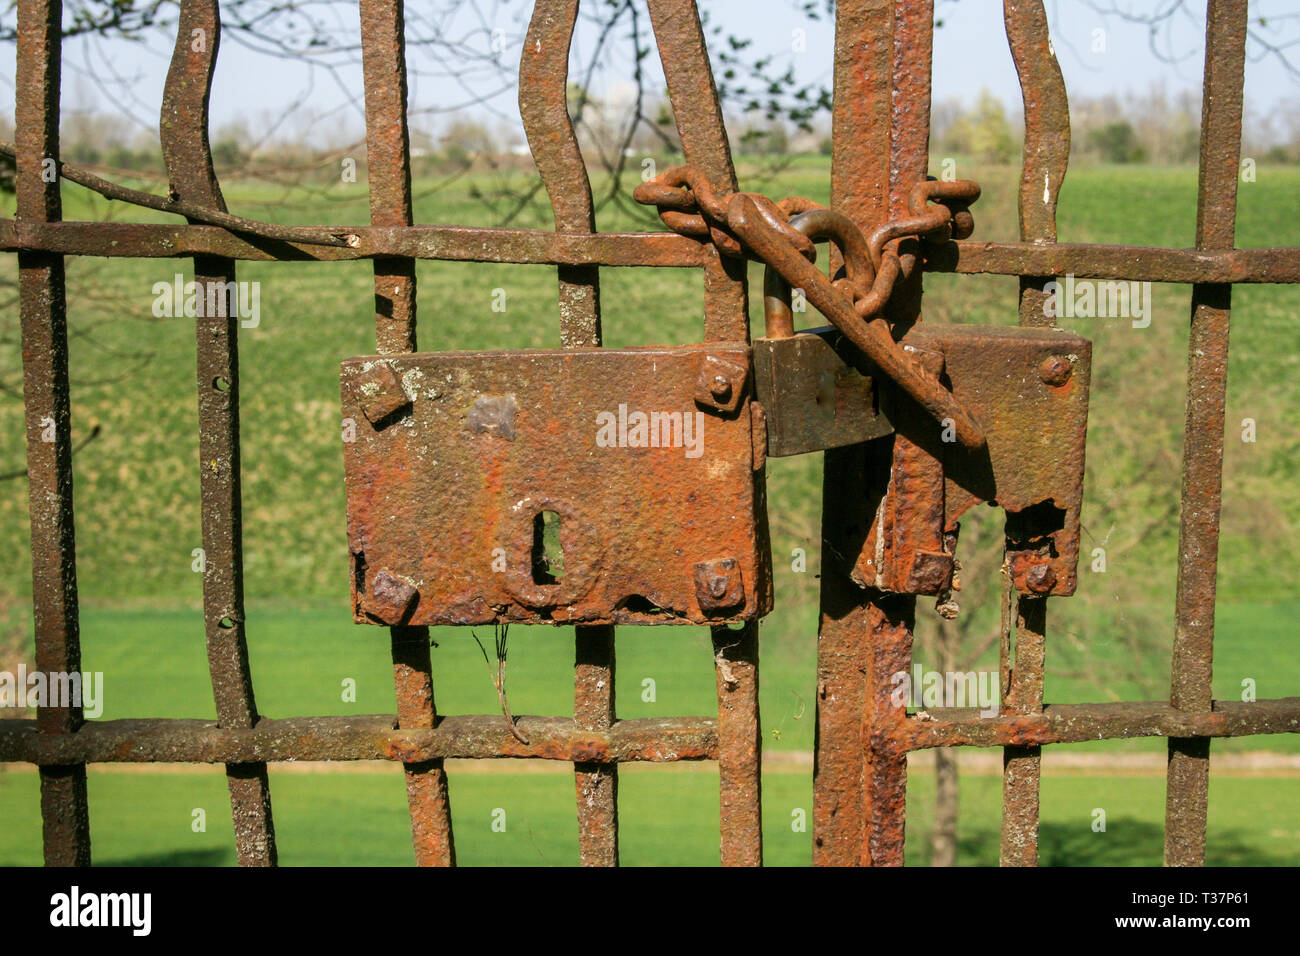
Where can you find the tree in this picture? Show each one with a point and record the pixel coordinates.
(1117, 143)
(983, 132)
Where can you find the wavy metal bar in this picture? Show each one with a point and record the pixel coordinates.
(1187, 791)
(544, 107)
(43, 316)
(183, 130)
(685, 58)
(1046, 155)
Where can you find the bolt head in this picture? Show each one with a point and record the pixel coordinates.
(380, 392)
(390, 599)
(1055, 370)
(720, 387)
(719, 585)
(1041, 578)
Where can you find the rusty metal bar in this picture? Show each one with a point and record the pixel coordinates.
(1022, 765)
(649, 249)
(1046, 156)
(544, 108)
(740, 745)
(864, 58)
(1187, 790)
(888, 86)
(47, 403)
(485, 736)
(183, 131)
(450, 243)
(479, 736)
(1133, 263)
(593, 710)
(388, 162)
(1079, 723)
(698, 113)
(905, 90)
(890, 621)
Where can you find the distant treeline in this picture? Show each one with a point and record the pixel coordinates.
(1154, 128)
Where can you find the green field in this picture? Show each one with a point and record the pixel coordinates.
(138, 523)
(667, 816)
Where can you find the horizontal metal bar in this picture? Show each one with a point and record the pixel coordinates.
(1098, 261)
(1079, 723)
(360, 738)
(543, 247)
(457, 243)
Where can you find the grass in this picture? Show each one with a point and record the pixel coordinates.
(667, 815)
(155, 665)
(138, 524)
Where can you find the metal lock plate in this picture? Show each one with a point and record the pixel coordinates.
(815, 393)
(634, 471)
(1028, 388)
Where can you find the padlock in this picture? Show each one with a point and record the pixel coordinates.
(575, 486)
(817, 390)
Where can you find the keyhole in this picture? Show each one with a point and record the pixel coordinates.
(548, 553)
(826, 392)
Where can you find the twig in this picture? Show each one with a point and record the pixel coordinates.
(22, 472)
(174, 204)
(498, 674)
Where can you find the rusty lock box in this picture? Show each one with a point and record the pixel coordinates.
(584, 486)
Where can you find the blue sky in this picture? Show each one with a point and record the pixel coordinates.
(970, 53)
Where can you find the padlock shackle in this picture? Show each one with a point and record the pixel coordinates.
(835, 301)
(819, 225)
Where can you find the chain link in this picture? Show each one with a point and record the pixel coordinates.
(783, 234)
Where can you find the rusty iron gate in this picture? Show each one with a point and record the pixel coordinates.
(881, 128)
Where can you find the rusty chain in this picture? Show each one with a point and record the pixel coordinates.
(783, 234)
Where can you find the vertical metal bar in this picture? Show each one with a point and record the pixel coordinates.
(1022, 766)
(183, 131)
(881, 147)
(694, 97)
(1047, 152)
(43, 310)
(543, 106)
(890, 621)
(596, 783)
(740, 745)
(1187, 789)
(388, 163)
(698, 114)
(891, 618)
(860, 175)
